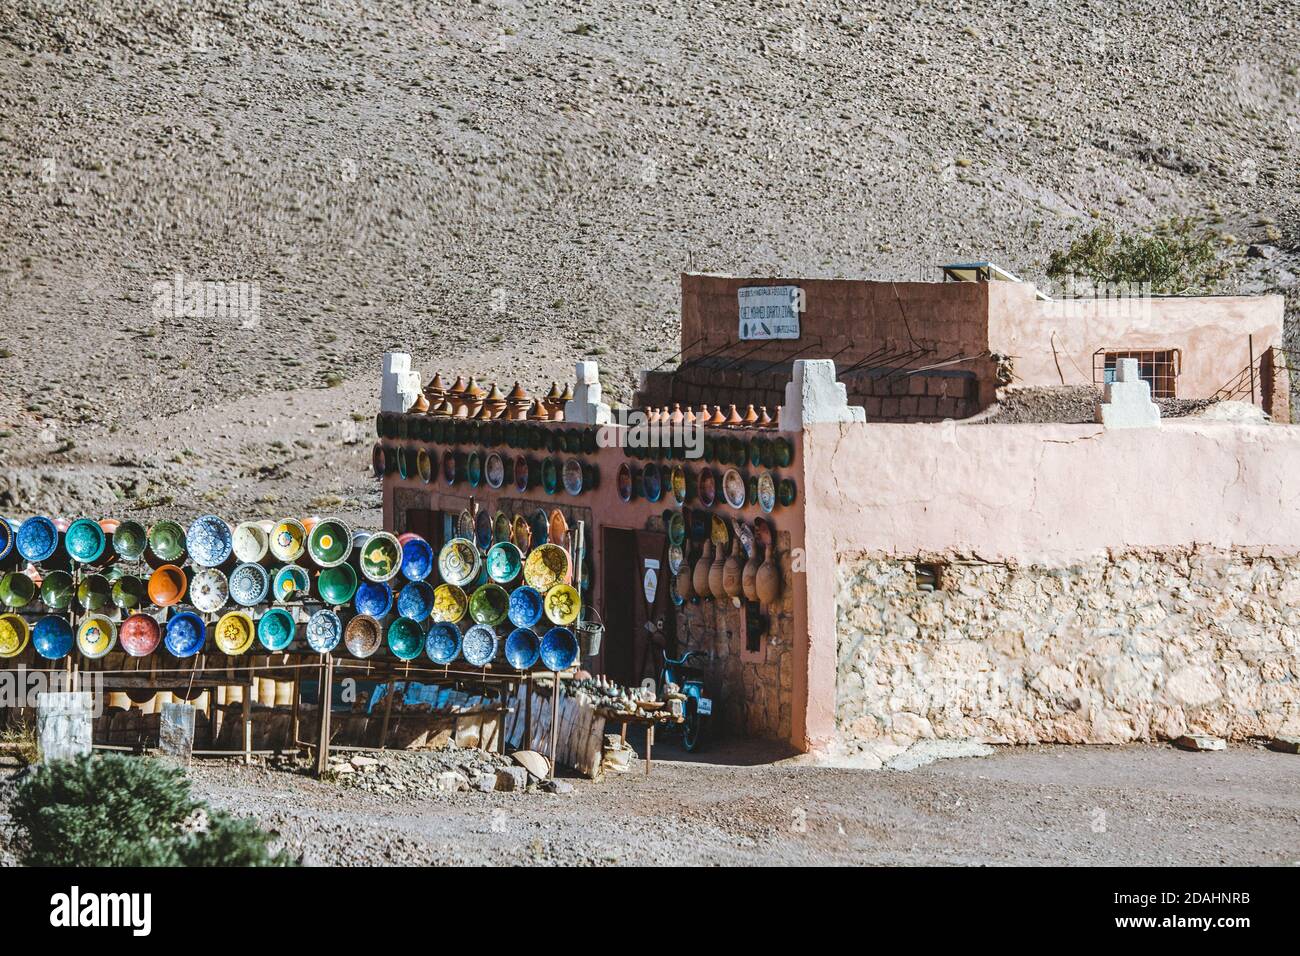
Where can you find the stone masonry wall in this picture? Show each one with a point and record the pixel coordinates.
(1126, 646)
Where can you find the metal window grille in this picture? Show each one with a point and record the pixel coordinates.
(1158, 367)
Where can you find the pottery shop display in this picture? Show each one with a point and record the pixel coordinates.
(276, 629)
(130, 540)
(442, 643)
(57, 590)
(459, 562)
(16, 589)
(337, 585)
(504, 562)
(128, 593)
(489, 605)
(417, 557)
(547, 565)
(288, 539)
(559, 650)
(324, 631)
(234, 633)
(52, 638)
(405, 639)
(329, 543)
(479, 645)
(209, 541)
(96, 636)
(373, 598)
(450, 603)
(291, 583)
(14, 635)
(363, 635)
(209, 590)
(37, 539)
(417, 600)
(522, 649)
(85, 541)
(250, 543)
(562, 604)
(381, 557)
(249, 584)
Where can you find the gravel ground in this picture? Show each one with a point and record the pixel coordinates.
(505, 186)
(1126, 806)
(1071, 404)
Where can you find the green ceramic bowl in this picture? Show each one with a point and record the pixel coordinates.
(94, 592)
(167, 541)
(57, 590)
(381, 557)
(85, 540)
(337, 585)
(16, 589)
(405, 639)
(489, 605)
(129, 540)
(330, 542)
(129, 592)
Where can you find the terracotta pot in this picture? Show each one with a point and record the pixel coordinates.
(768, 580)
(685, 586)
(716, 575)
(700, 580)
(732, 570)
(749, 576)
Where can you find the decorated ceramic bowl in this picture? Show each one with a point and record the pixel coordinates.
(676, 527)
(288, 540)
(14, 635)
(483, 531)
(249, 542)
(504, 562)
(500, 528)
(450, 603)
(708, 487)
(324, 631)
(185, 634)
(558, 528)
(680, 483)
(57, 590)
(766, 491)
(276, 629)
(96, 636)
(373, 598)
(782, 453)
(417, 558)
(442, 643)
(489, 604)
(234, 633)
(459, 562)
(52, 637)
(129, 541)
(139, 635)
(522, 648)
(209, 590)
(559, 649)
(85, 540)
(676, 557)
(652, 480)
(337, 585)
(417, 600)
(329, 543)
(521, 535)
(562, 604)
(291, 583)
(129, 592)
(547, 566)
(16, 589)
(527, 606)
(572, 476)
(405, 639)
(209, 541)
(424, 465)
(167, 541)
(494, 470)
(249, 584)
(733, 488)
(550, 475)
(363, 635)
(94, 592)
(37, 539)
(381, 557)
(474, 469)
(479, 645)
(785, 492)
(624, 482)
(539, 526)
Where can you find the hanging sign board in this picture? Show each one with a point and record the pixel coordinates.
(770, 312)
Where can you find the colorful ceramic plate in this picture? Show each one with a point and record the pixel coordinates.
(249, 584)
(16, 589)
(550, 475)
(708, 487)
(185, 634)
(766, 492)
(209, 590)
(521, 534)
(557, 531)
(483, 531)
(559, 649)
(37, 539)
(785, 492)
(291, 583)
(733, 489)
(248, 541)
(405, 639)
(363, 635)
(676, 557)
(330, 543)
(234, 633)
(746, 536)
(130, 540)
(450, 603)
(14, 635)
(540, 526)
(423, 468)
(782, 453)
(526, 606)
(442, 643)
(573, 476)
(720, 532)
(52, 637)
(288, 539)
(324, 631)
(479, 645)
(465, 526)
(209, 541)
(96, 636)
(417, 600)
(373, 598)
(473, 469)
(129, 592)
(624, 483)
(85, 540)
(489, 605)
(276, 629)
(562, 604)
(652, 479)
(500, 528)
(494, 470)
(337, 585)
(57, 590)
(167, 586)
(523, 647)
(676, 527)
(381, 557)
(547, 566)
(417, 557)
(94, 592)
(459, 562)
(504, 562)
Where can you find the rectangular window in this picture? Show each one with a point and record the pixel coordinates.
(1159, 368)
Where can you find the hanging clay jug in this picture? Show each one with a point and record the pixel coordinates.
(732, 570)
(715, 573)
(685, 586)
(768, 580)
(749, 577)
(701, 575)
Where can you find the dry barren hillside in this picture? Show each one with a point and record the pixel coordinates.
(500, 187)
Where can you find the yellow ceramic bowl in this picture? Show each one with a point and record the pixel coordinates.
(459, 562)
(96, 636)
(235, 632)
(288, 540)
(449, 604)
(547, 566)
(14, 634)
(562, 604)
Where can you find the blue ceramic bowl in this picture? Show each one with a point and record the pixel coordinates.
(276, 629)
(559, 649)
(324, 631)
(415, 600)
(479, 645)
(38, 539)
(504, 562)
(185, 634)
(374, 598)
(443, 643)
(249, 584)
(405, 639)
(6, 539)
(417, 559)
(526, 606)
(522, 648)
(85, 540)
(208, 541)
(53, 638)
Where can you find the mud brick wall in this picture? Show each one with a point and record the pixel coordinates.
(1129, 646)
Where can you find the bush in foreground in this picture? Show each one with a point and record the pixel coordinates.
(122, 811)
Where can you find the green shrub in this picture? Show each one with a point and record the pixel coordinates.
(1177, 260)
(122, 811)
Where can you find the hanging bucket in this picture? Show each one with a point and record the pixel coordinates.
(589, 633)
(276, 629)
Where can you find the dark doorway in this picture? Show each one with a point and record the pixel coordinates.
(619, 583)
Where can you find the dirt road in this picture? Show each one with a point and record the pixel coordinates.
(1142, 805)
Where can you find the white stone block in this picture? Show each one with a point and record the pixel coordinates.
(815, 395)
(1126, 402)
(64, 725)
(586, 408)
(401, 384)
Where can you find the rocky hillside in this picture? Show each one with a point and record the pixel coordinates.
(502, 186)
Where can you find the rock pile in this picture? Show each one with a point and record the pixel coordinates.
(427, 772)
